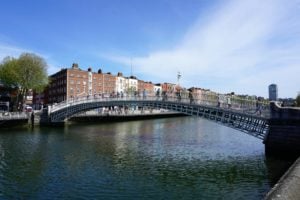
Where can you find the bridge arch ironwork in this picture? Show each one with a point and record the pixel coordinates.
(244, 115)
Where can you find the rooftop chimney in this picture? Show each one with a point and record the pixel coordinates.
(75, 66)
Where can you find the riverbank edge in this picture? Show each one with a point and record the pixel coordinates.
(288, 186)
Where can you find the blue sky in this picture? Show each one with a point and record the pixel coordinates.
(222, 45)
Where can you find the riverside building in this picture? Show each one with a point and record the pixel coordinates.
(168, 88)
(148, 87)
(73, 83)
(273, 92)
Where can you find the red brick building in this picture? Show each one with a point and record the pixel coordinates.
(72, 83)
(168, 87)
(75, 83)
(147, 86)
(103, 83)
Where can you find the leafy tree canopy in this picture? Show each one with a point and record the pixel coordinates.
(29, 71)
(32, 72)
(8, 72)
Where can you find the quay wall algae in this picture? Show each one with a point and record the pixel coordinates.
(288, 187)
(283, 138)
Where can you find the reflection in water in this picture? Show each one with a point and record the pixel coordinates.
(174, 158)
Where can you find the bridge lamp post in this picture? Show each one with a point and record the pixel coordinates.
(178, 83)
(102, 85)
(178, 77)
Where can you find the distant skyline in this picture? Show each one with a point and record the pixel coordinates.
(239, 46)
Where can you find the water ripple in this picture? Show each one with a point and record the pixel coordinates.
(179, 158)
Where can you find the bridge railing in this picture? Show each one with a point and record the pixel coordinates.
(249, 106)
(13, 115)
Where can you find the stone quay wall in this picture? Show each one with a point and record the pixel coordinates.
(284, 131)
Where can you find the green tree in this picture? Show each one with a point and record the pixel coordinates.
(8, 72)
(29, 71)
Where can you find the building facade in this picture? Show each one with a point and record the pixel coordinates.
(120, 84)
(203, 95)
(75, 83)
(131, 85)
(273, 92)
(57, 90)
(157, 89)
(146, 87)
(168, 88)
(103, 84)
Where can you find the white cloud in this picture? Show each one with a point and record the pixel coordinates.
(243, 46)
(6, 50)
(13, 51)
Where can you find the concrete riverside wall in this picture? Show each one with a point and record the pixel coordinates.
(288, 187)
(284, 132)
(40, 117)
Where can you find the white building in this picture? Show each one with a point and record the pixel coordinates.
(131, 84)
(120, 83)
(157, 89)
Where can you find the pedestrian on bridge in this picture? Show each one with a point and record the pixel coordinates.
(144, 94)
(219, 101)
(157, 94)
(191, 97)
(258, 106)
(179, 96)
(164, 96)
(229, 102)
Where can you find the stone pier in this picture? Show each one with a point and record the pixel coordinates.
(288, 186)
(283, 138)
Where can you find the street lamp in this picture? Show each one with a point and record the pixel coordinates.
(177, 88)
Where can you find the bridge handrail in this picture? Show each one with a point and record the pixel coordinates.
(277, 111)
(248, 106)
(13, 115)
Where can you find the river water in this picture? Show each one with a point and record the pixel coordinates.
(171, 158)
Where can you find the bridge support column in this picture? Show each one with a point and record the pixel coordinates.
(283, 138)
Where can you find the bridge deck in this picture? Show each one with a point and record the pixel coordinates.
(246, 116)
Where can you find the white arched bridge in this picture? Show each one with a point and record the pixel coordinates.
(249, 116)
